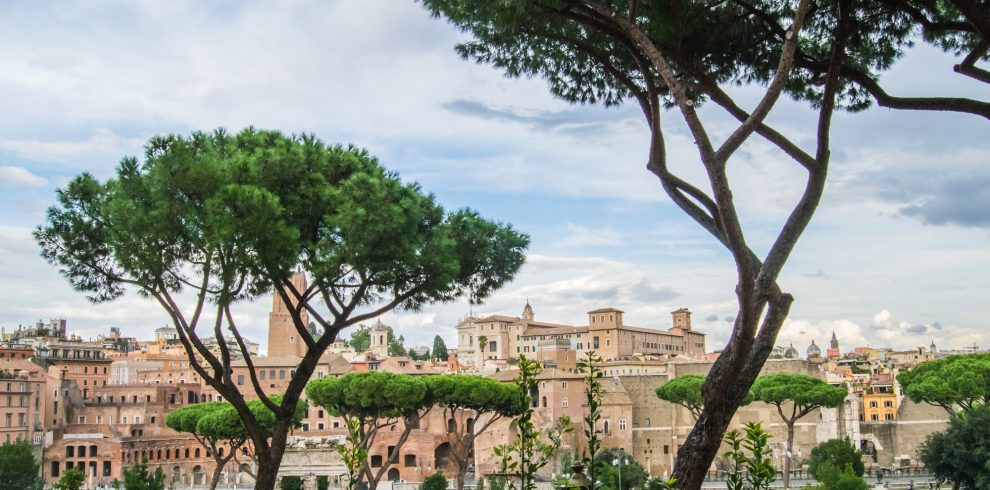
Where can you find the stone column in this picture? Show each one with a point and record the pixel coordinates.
(309, 482)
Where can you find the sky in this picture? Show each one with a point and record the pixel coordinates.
(896, 256)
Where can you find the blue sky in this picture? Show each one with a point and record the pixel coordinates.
(897, 255)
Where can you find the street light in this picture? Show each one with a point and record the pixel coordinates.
(618, 461)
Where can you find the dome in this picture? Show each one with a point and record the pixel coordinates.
(813, 350)
(791, 352)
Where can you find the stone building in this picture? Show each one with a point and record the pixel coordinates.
(24, 400)
(492, 340)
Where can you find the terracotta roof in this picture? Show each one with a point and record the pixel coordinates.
(336, 364)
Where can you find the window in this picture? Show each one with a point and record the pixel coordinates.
(261, 374)
(123, 419)
(319, 414)
(648, 422)
(622, 424)
(888, 403)
(336, 424)
(376, 461)
(409, 460)
(92, 451)
(492, 346)
(70, 451)
(281, 374)
(82, 420)
(873, 404)
(666, 449)
(563, 384)
(54, 471)
(874, 417)
(240, 380)
(320, 426)
(888, 416)
(595, 342)
(605, 428)
(305, 427)
(563, 402)
(152, 419)
(608, 342)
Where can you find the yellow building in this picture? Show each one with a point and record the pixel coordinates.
(880, 399)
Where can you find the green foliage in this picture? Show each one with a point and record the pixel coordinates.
(805, 392)
(268, 202)
(657, 483)
(72, 479)
(750, 458)
(292, 483)
(353, 453)
(435, 481)
(951, 383)
(833, 479)
(18, 468)
(607, 470)
(837, 452)
(219, 421)
(369, 395)
(591, 367)
(439, 349)
(961, 453)
(477, 394)
(725, 42)
(360, 339)
(396, 345)
(137, 478)
(684, 391)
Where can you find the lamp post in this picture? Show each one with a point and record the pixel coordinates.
(618, 461)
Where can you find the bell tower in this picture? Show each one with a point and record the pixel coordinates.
(379, 339)
(283, 338)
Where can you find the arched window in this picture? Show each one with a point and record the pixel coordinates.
(451, 426)
(197, 452)
(544, 402)
(605, 428)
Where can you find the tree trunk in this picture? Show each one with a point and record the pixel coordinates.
(730, 379)
(216, 475)
(787, 456)
(267, 469)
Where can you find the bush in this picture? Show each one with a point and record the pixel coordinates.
(292, 483)
(960, 454)
(18, 468)
(435, 481)
(838, 452)
(137, 478)
(72, 479)
(833, 479)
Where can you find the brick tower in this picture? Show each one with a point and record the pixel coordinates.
(283, 339)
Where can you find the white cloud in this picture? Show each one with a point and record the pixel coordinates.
(20, 176)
